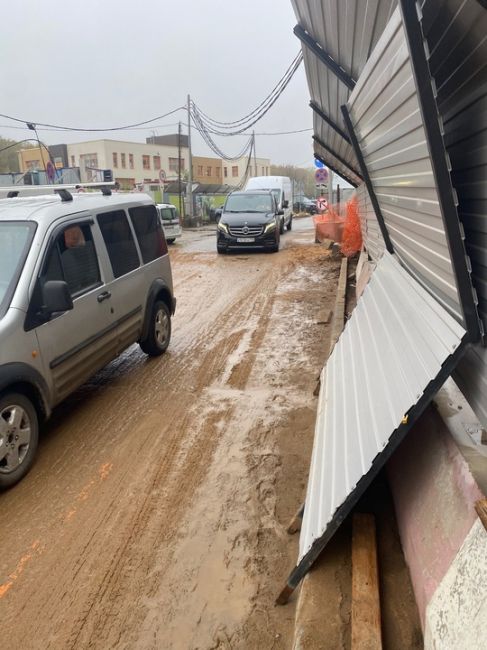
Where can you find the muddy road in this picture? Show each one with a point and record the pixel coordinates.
(155, 514)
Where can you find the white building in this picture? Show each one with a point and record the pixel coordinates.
(131, 162)
(234, 171)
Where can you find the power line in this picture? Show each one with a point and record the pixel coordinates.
(268, 101)
(72, 128)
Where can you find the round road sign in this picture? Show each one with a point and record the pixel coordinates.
(162, 176)
(321, 203)
(321, 175)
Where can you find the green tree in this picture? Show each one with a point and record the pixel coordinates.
(9, 160)
(299, 174)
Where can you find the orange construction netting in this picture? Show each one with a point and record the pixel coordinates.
(352, 232)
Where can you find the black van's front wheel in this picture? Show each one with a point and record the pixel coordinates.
(19, 436)
(159, 333)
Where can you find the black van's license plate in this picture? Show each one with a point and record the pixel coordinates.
(245, 240)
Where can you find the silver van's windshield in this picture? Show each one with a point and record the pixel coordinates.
(248, 202)
(15, 238)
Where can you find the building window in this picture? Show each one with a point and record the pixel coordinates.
(115, 160)
(131, 160)
(122, 160)
(157, 162)
(173, 164)
(146, 162)
(72, 161)
(208, 171)
(235, 171)
(225, 172)
(200, 170)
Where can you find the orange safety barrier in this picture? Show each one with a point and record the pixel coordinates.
(329, 225)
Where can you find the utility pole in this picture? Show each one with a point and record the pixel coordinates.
(255, 154)
(179, 170)
(330, 187)
(189, 187)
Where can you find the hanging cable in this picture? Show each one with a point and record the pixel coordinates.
(72, 128)
(261, 109)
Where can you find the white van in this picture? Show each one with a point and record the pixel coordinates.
(282, 188)
(170, 221)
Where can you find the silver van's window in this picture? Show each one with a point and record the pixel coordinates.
(168, 214)
(118, 239)
(73, 259)
(148, 231)
(14, 240)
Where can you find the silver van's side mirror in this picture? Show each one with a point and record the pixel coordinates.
(56, 297)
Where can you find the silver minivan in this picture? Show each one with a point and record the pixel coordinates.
(82, 277)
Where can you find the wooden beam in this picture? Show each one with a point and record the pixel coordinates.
(366, 624)
(481, 508)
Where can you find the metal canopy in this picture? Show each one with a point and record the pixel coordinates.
(346, 44)
(396, 351)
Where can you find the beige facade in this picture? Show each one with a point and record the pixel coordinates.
(33, 159)
(208, 171)
(131, 162)
(234, 171)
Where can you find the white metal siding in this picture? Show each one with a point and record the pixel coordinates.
(456, 33)
(386, 115)
(392, 347)
(371, 234)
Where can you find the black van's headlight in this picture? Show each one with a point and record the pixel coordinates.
(222, 226)
(270, 226)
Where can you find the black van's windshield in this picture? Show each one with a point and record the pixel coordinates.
(248, 202)
(15, 238)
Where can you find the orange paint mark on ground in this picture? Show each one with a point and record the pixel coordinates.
(105, 470)
(4, 588)
(103, 473)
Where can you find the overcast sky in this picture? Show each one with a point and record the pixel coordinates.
(98, 64)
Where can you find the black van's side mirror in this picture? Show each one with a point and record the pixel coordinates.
(56, 297)
(280, 212)
(285, 204)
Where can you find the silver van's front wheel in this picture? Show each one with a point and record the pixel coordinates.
(19, 433)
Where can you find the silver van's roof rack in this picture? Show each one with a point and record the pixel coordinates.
(62, 189)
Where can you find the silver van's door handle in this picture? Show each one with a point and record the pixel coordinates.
(104, 296)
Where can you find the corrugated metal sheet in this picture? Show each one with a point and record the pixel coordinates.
(348, 30)
(396, 342)
(385, 111)
(456, 34)
(371, 234)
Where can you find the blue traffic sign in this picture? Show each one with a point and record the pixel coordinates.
(318, 163)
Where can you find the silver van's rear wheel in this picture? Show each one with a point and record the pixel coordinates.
(19, 434)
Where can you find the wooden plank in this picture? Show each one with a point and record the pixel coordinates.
(366, 624)
(339, 310)
(481, 508)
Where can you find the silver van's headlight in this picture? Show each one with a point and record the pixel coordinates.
(222, 226)
(270, 226)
